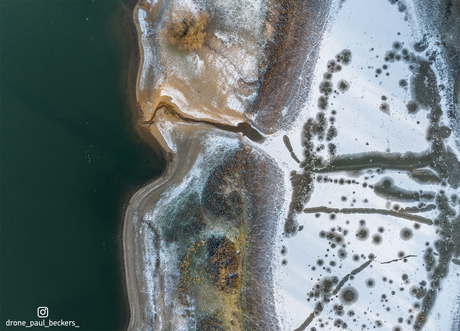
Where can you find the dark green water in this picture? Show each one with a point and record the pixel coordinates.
(69, 160)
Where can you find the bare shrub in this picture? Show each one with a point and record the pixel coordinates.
(185, 29)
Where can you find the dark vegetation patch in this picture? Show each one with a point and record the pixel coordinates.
(332, 66)
(331, 133)
(344, 57)
(187, 222)
(397, 46)
(444, 132)
(380, 160)
(425, 176)
(362, 233)
(222, 195)
(284, 250)
(210, 323)
(370, 283)
(223, 264)
(297, 24)
(326, 87)
(323, 102)
(403, 83)
(422, 45)
(377, 239)
(323, 289)
(390, 56)
(418, 291)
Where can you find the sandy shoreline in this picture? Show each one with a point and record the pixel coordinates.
(132, 249)
(132, 291)
(178, 165)
(131, 29)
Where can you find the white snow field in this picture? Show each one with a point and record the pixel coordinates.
(367, 104)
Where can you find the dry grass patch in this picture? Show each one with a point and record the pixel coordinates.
(185, 29)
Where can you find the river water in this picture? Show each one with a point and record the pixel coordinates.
(70, 159)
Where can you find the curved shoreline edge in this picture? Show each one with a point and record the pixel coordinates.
(132, 290)
(130, 249)
(132, 76)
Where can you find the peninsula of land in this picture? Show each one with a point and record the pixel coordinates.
(199, 239)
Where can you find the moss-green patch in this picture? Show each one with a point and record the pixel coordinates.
(191, 270)
(184, 222)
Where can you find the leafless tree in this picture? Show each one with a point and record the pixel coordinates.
(185, 29)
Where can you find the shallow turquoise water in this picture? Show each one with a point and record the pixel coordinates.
(70, 158)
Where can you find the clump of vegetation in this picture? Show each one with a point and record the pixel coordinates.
(185, 29)
(184, 221)
(223, 263)
(209, 323)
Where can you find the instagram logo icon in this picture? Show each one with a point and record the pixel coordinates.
(42, 312)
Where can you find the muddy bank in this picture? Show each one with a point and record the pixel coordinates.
(243, 127)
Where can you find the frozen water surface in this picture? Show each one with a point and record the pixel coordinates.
(376, 228)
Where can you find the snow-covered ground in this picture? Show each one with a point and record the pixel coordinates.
(370, 115)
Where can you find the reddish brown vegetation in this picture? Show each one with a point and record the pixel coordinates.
(185, 29)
